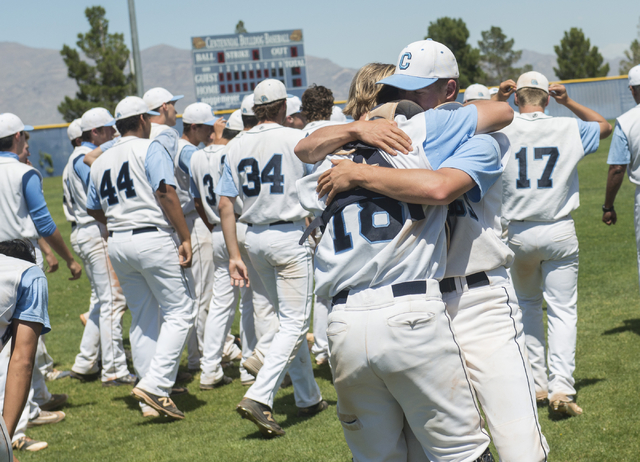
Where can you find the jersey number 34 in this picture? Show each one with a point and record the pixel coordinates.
(545, 180)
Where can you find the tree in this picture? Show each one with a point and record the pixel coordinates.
(633, 58)
(577, 59)
(240, 28)
(498, 57)
(101, 81)
(454, 34)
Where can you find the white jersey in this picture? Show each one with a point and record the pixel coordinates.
(67, 206)
(16, 220)
(206, 168)
(120, 179)
(11, 271)
(540, 183)
(76, 188)
(630, 124)
(313, 126)
(475, 244)
(265, 169)
(183, 180)
(379, 241)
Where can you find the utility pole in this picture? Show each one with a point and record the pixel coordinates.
(137, 62)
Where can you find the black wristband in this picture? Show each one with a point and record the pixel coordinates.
(605, 210)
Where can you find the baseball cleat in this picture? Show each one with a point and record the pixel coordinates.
(84, 377)
(84, 317)
(45, 418)
(129, 379)
(184, 377)
(322, 360)
(313, 410)
(261, 415)
(485, 457)
(55, 402)
(175, 391)
(252, 364)
(542, 398)
(561, 404)
(162, 404)
(150, 412)
(56, 375)
(247, 383)
(27, 444)
(220, 383)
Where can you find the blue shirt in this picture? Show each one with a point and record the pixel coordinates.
(184, 161)
(194, 189)
(33, 299)
(226, 186)
(619, 153)
(590, 136)
(34, 197)
(83, 170)
(158, 167)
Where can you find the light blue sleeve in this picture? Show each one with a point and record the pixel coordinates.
(82, 170)
(194, 189)
(308, 169)
(447, 130)
(184, 162)
(93, 201)
(619, 153)
(159, 166)
(590, 136)
(37, 206)
(480, 158)
(33, 299)
(108, 145)
(169, 139)
(226, 186)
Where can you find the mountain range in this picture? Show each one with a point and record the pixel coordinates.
(33, 81)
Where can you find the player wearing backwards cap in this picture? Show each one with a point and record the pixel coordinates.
(476, 92)
(206, 167)
(427, 74)
(132, 191)
(625, 151)
(540, 190)
(261, 169)
(103, 330)
(24, 299)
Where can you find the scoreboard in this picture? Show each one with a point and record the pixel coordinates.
(228, 67)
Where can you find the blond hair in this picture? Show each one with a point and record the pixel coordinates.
(364, 93)
(528, 96)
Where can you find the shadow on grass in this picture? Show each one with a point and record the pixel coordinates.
(632, 325)
(581, 383)
(130, 401)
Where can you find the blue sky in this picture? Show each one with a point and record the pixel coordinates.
(350, 33)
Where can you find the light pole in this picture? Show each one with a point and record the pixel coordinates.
(137, 62)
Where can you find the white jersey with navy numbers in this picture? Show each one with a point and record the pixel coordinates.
(265, 169)
(16, 220)
(67, 206)
(76, 188)
(11, 271)
(540, 183)
(121, 181)
(629, 123)
(475, 242)
(183, 180)
(206, 167)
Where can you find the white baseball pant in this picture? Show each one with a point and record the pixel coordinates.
(396, 357)
(103, 332)
(202, 272)
(285, 269)
(487, 322)
(320, 314)
(160, 299)
(546, 265)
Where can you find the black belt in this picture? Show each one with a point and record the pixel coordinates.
(399, 290)
(73, 224)
(473, 280)
(146, 229)
(281, 222)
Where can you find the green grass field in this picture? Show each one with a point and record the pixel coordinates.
(105, 424)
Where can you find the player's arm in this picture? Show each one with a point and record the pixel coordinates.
(505, 90)
(381, 133)
(34, 197)
(237, 268)
(559, 93)
(52, 261)
(492, 116)
(200, 209)
(91, 157)
(614, 181)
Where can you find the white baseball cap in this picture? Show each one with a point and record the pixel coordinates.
(235, 121)
(337, 115)
(293, 105)
(132, 106)
(247, 105)
(199, 113)
(475, 92)
(533, 79)
(10, 124)
(422, 63)
(74, 131)
(157, 96)
(494, 90)
(268, 91)
(96, 118)
(634, 76)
